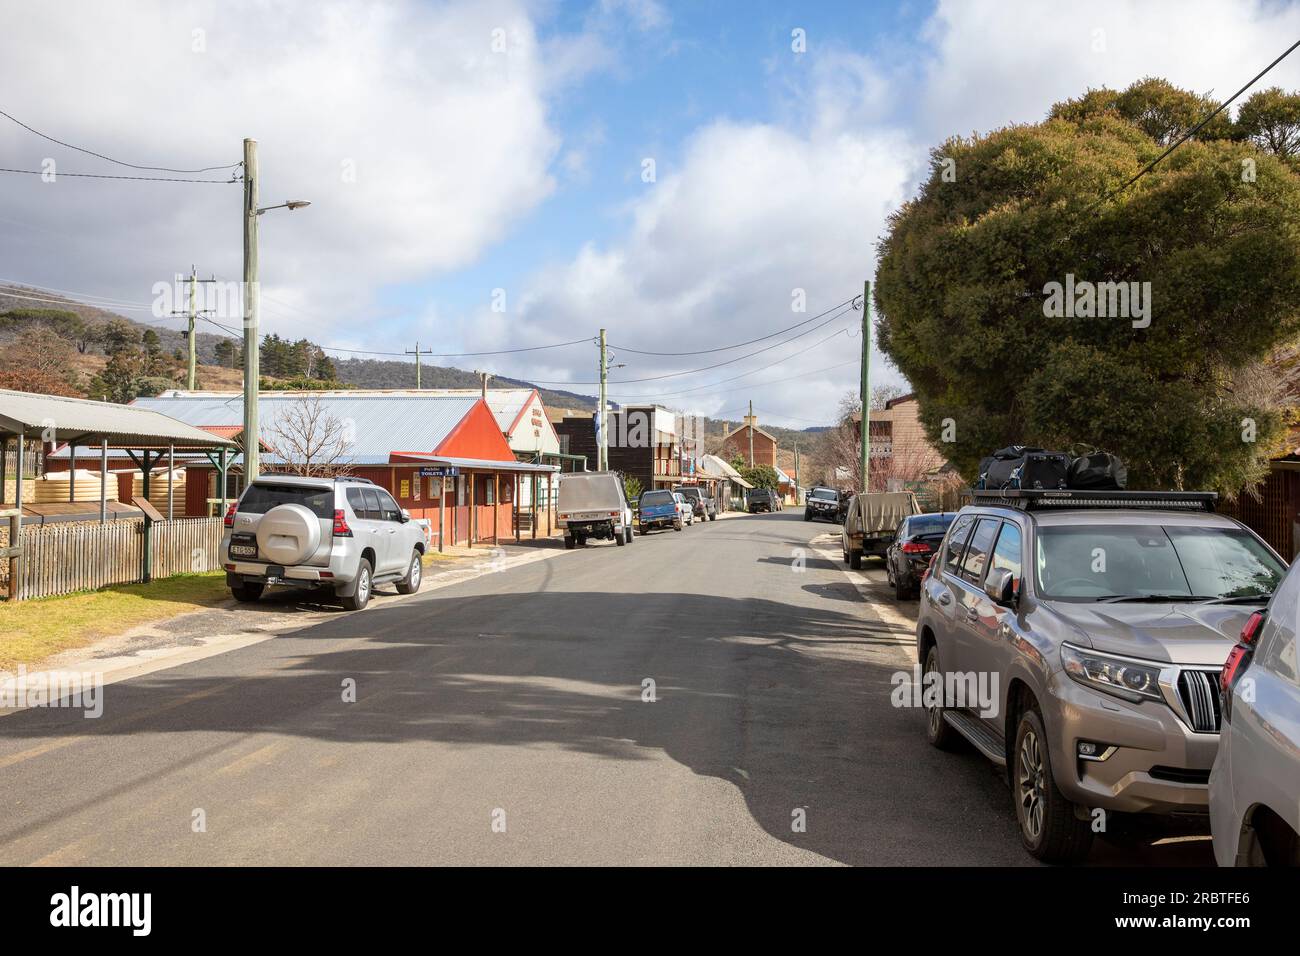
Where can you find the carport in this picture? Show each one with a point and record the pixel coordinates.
(144, 435)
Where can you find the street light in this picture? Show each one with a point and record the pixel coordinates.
(252, 358)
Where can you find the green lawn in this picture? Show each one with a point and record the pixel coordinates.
(31, 631)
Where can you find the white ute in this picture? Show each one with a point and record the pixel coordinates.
(592, 504)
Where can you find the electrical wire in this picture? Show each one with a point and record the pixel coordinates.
(150, 179)
(726, 348)
(89, 152)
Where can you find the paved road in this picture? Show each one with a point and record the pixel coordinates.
(517, 698)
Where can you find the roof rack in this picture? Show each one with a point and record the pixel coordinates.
(1044, 499)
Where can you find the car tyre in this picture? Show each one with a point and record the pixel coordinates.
(619, 537)
(1049, 828)
(360, 596)
(411, 583)
(247, 593)
(569, 542)
(855, 560)
(938, 731)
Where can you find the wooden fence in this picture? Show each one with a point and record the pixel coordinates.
(76, 556)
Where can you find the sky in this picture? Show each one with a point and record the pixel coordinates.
(506, 174)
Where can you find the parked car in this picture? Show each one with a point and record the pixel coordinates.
(762, 499)
(343, 535)
(593, 504)
(869, 523)
(658, 509)
(1255, 781)
(1102, 630)
(825, 504)
(915, 541)
(685, 507)
(705, 506)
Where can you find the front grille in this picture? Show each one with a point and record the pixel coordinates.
(1200, 700)
(1180, 775)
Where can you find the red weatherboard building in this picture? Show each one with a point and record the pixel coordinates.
(443, 457)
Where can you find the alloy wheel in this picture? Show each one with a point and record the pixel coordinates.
(1030, 785)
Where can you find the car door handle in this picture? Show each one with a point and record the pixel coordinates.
(945, 598)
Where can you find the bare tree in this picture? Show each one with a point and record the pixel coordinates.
(310, 439)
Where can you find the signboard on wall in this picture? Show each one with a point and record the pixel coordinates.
(450, 471)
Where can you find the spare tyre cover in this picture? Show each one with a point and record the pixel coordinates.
(288, 534)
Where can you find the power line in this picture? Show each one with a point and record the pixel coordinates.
(90, 152)
(1199, 126)
(753, 385)
(725, 348)
(150, 179)
(706, 368)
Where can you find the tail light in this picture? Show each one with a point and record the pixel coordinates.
(917, 547)
(229, 521)
(1240, 655)
(341, 529)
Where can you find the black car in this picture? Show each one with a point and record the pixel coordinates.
(826, 504)
(915, 540)
(762, 499)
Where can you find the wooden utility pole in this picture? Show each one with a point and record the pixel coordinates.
(603, 457)
(417, 353)
(866, 386)
(252, 363)
(192, 313)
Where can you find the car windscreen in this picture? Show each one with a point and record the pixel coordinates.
(924, 525)
(1109, 562)
(655, 498)
(260, 498)
(826, 494)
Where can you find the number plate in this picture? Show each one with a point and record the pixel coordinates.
(243, 550)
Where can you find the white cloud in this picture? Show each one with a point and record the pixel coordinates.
(448, 138)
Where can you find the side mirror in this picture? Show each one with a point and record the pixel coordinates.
(405, 516)
(999, 585)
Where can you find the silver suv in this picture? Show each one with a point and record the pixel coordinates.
(341, 534)
(1077, 638)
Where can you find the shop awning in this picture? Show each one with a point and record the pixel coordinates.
(480, 464)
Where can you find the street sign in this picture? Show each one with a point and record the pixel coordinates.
(450, 471)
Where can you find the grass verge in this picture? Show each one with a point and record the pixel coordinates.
(31, 631)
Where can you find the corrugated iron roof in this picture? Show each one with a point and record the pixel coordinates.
(377, 424)
(56, 418)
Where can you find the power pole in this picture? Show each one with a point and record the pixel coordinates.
(796, 472)
(603, 456)
(252, 364)
(866, 385)
(750, 422)
(192, 314)
(417, 353)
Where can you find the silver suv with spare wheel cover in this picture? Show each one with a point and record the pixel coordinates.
(344, 535)
(1078, 638)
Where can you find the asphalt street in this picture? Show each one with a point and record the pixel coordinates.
(510, 719)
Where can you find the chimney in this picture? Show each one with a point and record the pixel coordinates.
(483, 378)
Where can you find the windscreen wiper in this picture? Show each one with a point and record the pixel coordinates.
(1154, 598)
(1242, 599)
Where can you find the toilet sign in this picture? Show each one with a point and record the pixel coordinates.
(440, 472)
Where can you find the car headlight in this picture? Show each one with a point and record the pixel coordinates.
(1124, 677)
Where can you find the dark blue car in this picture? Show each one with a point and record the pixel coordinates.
(657, 509)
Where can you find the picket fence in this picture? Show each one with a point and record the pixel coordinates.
(77, 556)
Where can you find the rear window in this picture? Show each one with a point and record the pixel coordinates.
(657, 498)
(690, 493)
(957, 541)
(977, 552)
(928, 524)
(260, 498)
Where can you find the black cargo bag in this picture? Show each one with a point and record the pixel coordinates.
(1024, 466)
(1097, 472)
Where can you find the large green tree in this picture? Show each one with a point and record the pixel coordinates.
(966, 267)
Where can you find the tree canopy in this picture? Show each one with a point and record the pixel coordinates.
(966, 268)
